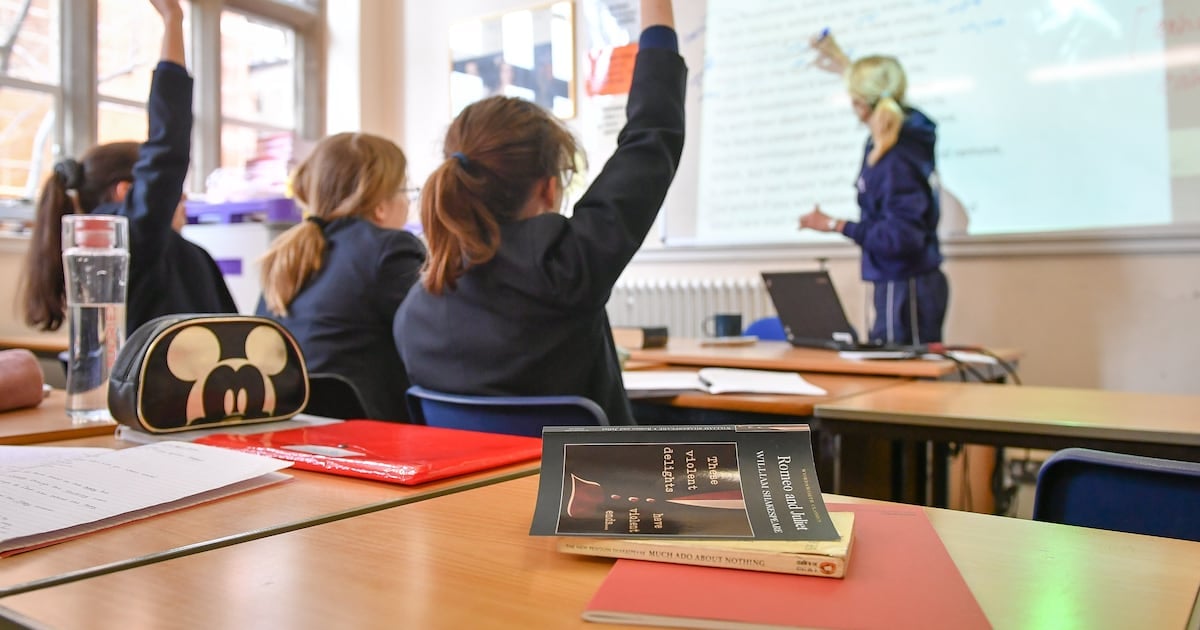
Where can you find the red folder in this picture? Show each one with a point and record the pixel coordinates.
(900, 576)
(407, 454)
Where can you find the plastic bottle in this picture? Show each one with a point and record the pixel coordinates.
(96, 265)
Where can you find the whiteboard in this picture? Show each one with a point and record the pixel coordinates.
(1052, 115)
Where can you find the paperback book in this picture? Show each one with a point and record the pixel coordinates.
(824, 558)
(640, 337)
(746, 482)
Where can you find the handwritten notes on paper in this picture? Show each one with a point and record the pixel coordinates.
(53, 501)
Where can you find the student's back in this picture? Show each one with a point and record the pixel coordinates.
(167, 273)
(513, 300)
(336, 279)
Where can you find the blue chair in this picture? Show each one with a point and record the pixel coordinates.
(1127, 493)
(334, 396)
(515, 415)
(767, 329)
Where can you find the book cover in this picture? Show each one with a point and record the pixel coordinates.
(640, 337)
(719, 481)
(825, 558)
(406, 454)
(900, 577)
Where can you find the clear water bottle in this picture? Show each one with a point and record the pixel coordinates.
(96, 265)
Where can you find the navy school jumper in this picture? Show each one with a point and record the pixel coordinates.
(531, 321)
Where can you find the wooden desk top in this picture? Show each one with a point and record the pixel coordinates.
(838, 386)
(48, 422)
(37, 344)
(1056, 411)
(467, 560)
(306, 498)
(780, 355)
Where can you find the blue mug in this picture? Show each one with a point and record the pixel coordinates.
(722, 325)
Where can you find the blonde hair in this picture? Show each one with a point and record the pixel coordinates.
(346, 175)
(880, 81)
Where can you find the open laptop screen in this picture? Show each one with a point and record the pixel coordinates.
(809, 309)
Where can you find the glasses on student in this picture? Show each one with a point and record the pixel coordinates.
(412, 194)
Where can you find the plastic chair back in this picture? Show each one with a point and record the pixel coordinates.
(515, 415)
(1127, 493)
(767, 329)
(334, 396)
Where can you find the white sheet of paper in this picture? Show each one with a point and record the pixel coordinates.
(44, 502)
(24, 456)
(644, 383)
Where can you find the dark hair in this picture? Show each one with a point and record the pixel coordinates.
(495, 151)
(346, 175)
(73, 187)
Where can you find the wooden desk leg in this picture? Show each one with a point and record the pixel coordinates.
(837, 463)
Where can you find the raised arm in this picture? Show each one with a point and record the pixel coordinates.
(163, 159)
(657, 13)
(172, 43)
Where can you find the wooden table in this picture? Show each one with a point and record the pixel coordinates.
(48, 422)
(307, 499)
(467, 561)
(837, 386)
(1158, 425)
(781, 355)
(39, 345)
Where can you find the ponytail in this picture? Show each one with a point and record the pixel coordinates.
(347, 175)
(886, 119)
(456, 218)
(496, 151)
(42, 286)
(292, 259)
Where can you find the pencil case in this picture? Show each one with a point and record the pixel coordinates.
(180, 372)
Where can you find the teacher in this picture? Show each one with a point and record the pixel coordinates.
(897, 229)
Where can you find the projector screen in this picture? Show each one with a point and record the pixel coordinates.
(1052, 114)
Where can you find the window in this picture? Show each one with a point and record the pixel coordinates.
(252, 98)
(29, 93)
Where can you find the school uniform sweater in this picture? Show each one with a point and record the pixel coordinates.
(168, 274)
(531, 321)
(342, 317)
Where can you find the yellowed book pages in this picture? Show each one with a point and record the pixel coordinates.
(825, 558)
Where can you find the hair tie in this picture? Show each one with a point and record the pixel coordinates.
(320, 223)
(885, 94)
(462, 158)
(69, 173)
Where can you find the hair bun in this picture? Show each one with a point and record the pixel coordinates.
(69, 173)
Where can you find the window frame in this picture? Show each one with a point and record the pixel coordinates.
(78, 99)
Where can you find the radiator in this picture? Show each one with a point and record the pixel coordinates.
(682, 305)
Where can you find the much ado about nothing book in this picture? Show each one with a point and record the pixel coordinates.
(701, 482)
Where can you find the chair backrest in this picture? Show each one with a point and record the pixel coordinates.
(1127, 493)
(515, 415)
(767, 329)
(334, 396)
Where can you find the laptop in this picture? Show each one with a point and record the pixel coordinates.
(812, 315)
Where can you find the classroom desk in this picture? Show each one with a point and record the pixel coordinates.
(48, 422)
(781, 355)
(837, 386)
(1158, 425)
(305, 500)
(467, 561)
(40, 345)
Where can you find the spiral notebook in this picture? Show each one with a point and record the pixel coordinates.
(406, 454)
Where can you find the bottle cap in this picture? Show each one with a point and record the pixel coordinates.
(94, 233)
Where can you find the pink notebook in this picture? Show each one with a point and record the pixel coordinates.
(900, 576)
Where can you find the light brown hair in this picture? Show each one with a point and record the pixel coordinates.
(74, 187)
(346, 175)
(496, 150)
